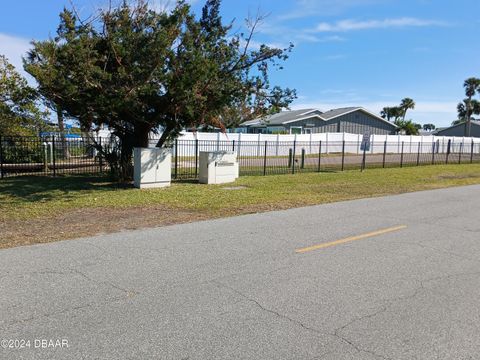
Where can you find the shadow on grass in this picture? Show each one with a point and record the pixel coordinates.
(41, 188)
(185, 181)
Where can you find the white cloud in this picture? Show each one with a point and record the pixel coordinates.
(352, 25)
(14, 48)
(309, 8)
(311, 38)
(296, 36)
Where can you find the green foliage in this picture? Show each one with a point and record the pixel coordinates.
(408, 126)
(19, 114)
(389, 113)
(138, 71)
(22, 149)
(429, 127)
(469, 106)
(405, 105)
(398, 113)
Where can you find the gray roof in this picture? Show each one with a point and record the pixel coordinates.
(441, 129)
(338, 112)
(294, 115)
(281, 117)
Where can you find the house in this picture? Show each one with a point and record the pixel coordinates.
(460, 130)
(355, 120)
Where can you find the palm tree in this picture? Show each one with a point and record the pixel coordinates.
(391, 112)
(429, 127)
(406, 104)
(385, 113)
(408, 127)
(471, 85)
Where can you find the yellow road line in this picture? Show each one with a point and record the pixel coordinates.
(349, 239)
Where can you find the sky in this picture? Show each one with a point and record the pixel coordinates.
(369, 53)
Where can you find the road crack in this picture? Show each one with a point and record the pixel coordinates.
(343, 338)
(270, 311)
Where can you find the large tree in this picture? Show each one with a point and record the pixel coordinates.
(405, 105)
(19, 113)
(391, 112)
(469, 106)
(139, 71)
(472, 104)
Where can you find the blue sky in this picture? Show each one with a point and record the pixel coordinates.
(369, 53)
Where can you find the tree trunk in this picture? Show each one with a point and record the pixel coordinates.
(469, 112)
(61, 127)
(141, 135)
(125, 163)
(139, 138)
(165, 135)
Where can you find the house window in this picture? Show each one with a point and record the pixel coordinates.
(296, 130)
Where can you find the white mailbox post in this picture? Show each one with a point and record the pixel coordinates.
(152, 167)
(218, 167)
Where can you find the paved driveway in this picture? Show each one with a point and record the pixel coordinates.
(387, 278)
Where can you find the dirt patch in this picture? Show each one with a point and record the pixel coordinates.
(89, 222)
(97, 221)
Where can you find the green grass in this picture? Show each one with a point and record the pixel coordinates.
(24, 198)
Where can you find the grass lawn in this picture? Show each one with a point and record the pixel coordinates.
(37, 209)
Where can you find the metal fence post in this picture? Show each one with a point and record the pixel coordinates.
(233, 145)
(45, 157)
(302, 163)
(319, 155)
(290, 157)
(384, 153)
(343, 155)
(448, 151)
(433, 152)
(239, 146)
(101, 155)
(401, 156)
(53, 156)
(471, 152)
(293, 156)
(265, 160)
(176, 159)
(418, 154)
(364, 158)
(196, 157)
(1, 157)
(460, 153)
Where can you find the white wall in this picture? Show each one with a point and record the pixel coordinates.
(279, 145)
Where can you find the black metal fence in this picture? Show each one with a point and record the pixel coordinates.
(53, 156)
(48, 156)
(277, 157)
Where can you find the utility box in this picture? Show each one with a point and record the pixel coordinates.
(152, 167)
(218, 167)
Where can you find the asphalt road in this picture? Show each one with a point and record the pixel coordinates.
(387, 278)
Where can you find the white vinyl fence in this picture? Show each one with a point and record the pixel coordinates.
(279, 145)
